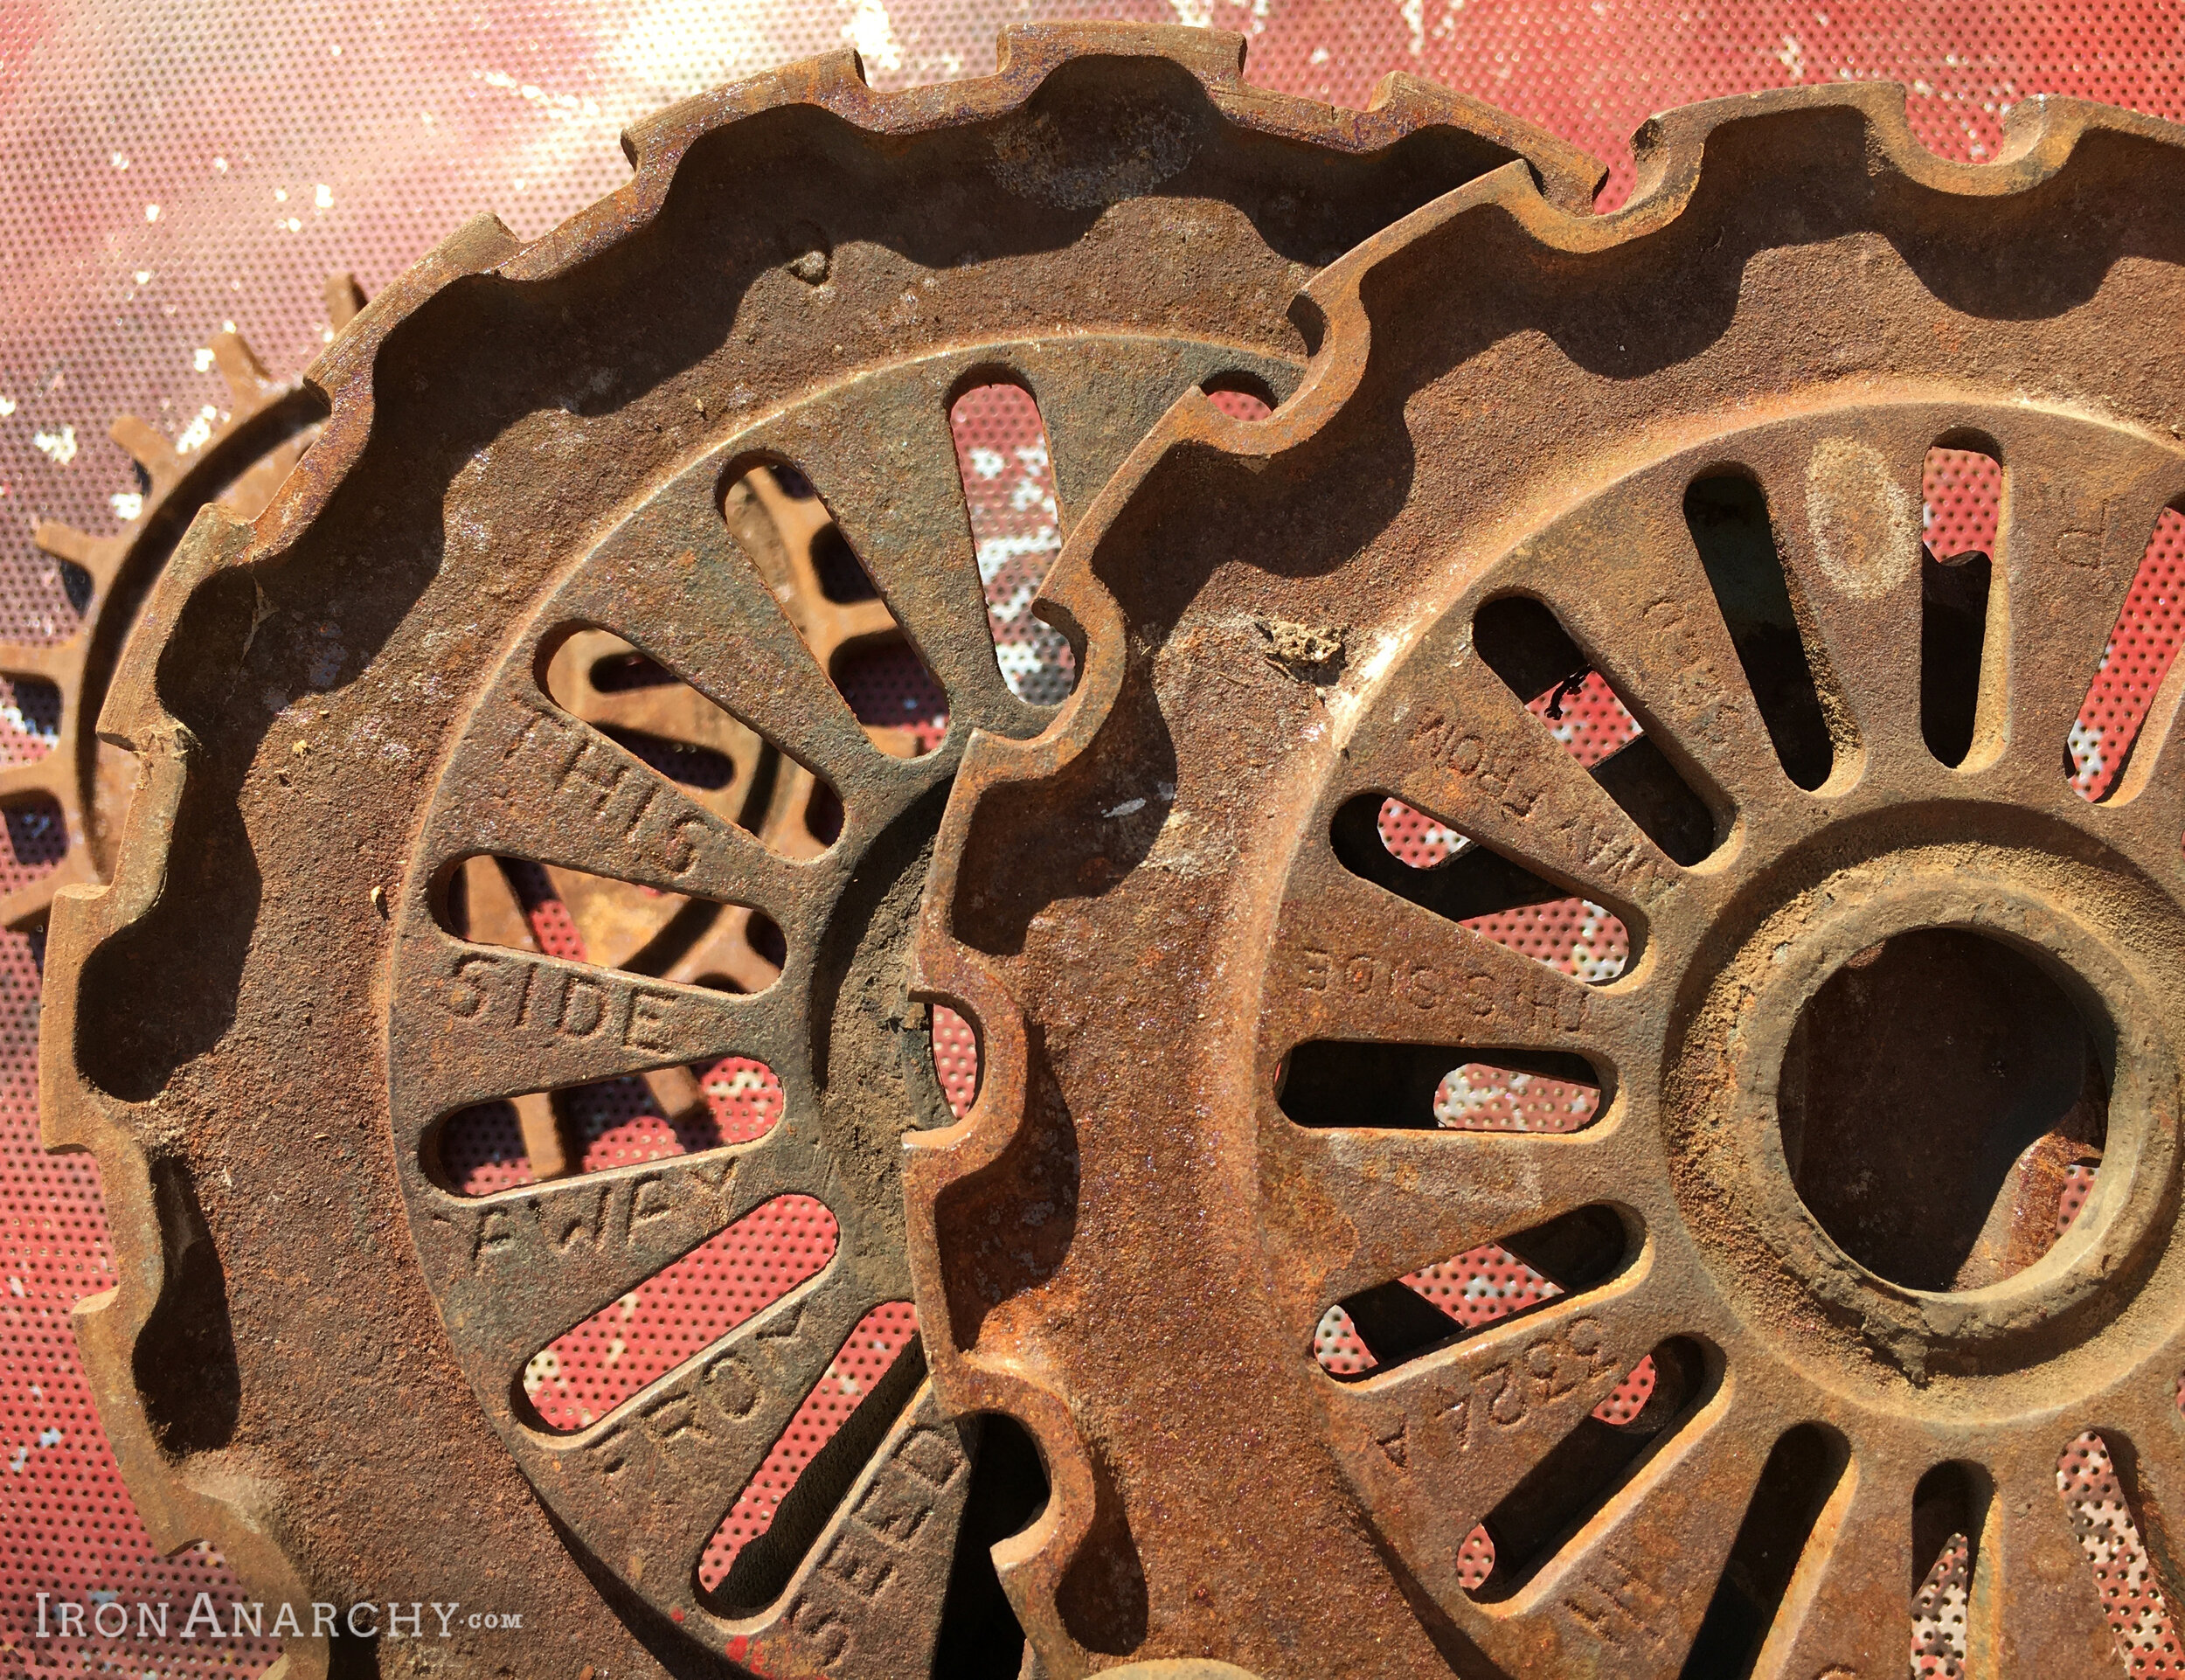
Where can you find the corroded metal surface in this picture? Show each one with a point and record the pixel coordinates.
(1213, 1005)
(238, 465)
(261, 1027)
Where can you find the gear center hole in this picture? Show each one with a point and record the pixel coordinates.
(1943, 1109)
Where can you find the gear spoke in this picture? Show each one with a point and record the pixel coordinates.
(1469, 754)
(538, 784)
(1849, 1605)
(1356, 961)
(1628, 1595)
(2075, 525)
(1392, 1202)
(674, 583)
(663, 1470)
(2035, 1609)
(489, 1023)
(530, 1263)
(889, 476)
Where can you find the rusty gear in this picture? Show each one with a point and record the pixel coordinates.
(261, 1027)
(238, 466)
(1874, 951)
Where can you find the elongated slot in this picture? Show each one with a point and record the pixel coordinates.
(30, 718)
(1949, 1510)
(2094, 1478)
(1962, 496)
(1728, 517)
(955, 1060)
(531, 1139)
(1397, 1322)
(2141, 648)
(37, 840)
(749, 1559)
(1524, 644)
(1333, 1083)
(1486, 891)
(894, 697)
(1582, 1471)
(1009, 487)
(1802, 1472)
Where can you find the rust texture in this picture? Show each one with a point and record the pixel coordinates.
(346, 714)
(1205, 991)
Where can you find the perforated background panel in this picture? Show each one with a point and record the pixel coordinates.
(164, 172)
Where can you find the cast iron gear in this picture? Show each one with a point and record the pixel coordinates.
(1891, 974)
(238, 465)
(262, 1026)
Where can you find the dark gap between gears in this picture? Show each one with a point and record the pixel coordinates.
(980, 1638)
(1331, 1083)
(748, 1561)
(1576, 1252)
(1006, 470)
(599, 1364)
(1804, 1468)
(1582, 1472)
(1963, 490)
(1525, 645)
(1477, 886)
(1728, 517)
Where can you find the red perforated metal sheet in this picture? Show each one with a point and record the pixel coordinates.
(166, 172)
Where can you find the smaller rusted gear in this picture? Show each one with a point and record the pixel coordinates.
(238, 466)
(1891, 974)
(353, 701)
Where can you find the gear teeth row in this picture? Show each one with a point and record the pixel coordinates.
(267, 427)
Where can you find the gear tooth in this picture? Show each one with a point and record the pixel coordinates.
(245, 375)
(344, 300)
(147, 447)
(67, 543)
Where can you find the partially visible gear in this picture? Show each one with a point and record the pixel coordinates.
(1811, 1305)
(369, 698)
(264, 434)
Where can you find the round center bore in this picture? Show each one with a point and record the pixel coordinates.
(1942, 1109)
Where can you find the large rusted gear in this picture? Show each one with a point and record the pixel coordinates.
(261, 1026)
(1213, 1006)
(238, 463)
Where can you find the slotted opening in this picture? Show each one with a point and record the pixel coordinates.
(894, 697)
(2142, 646)
(837, 607)
(1329, 1082)
(540, 1137)
(1240, 396)
(1009, 487)
(980, 1638)
(1949, 1509)
(1584, 1470)
(629, 700)
(1394, 1322)
(2095, 1478)
(1524, 644)
(37, 840)
(1728, 516)
(1802, 1472)
(955, 1058)
(589, 1370)
(522, 906)
(747, 1562)
(1486, 891)
(1962, 493)
(30, 718)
